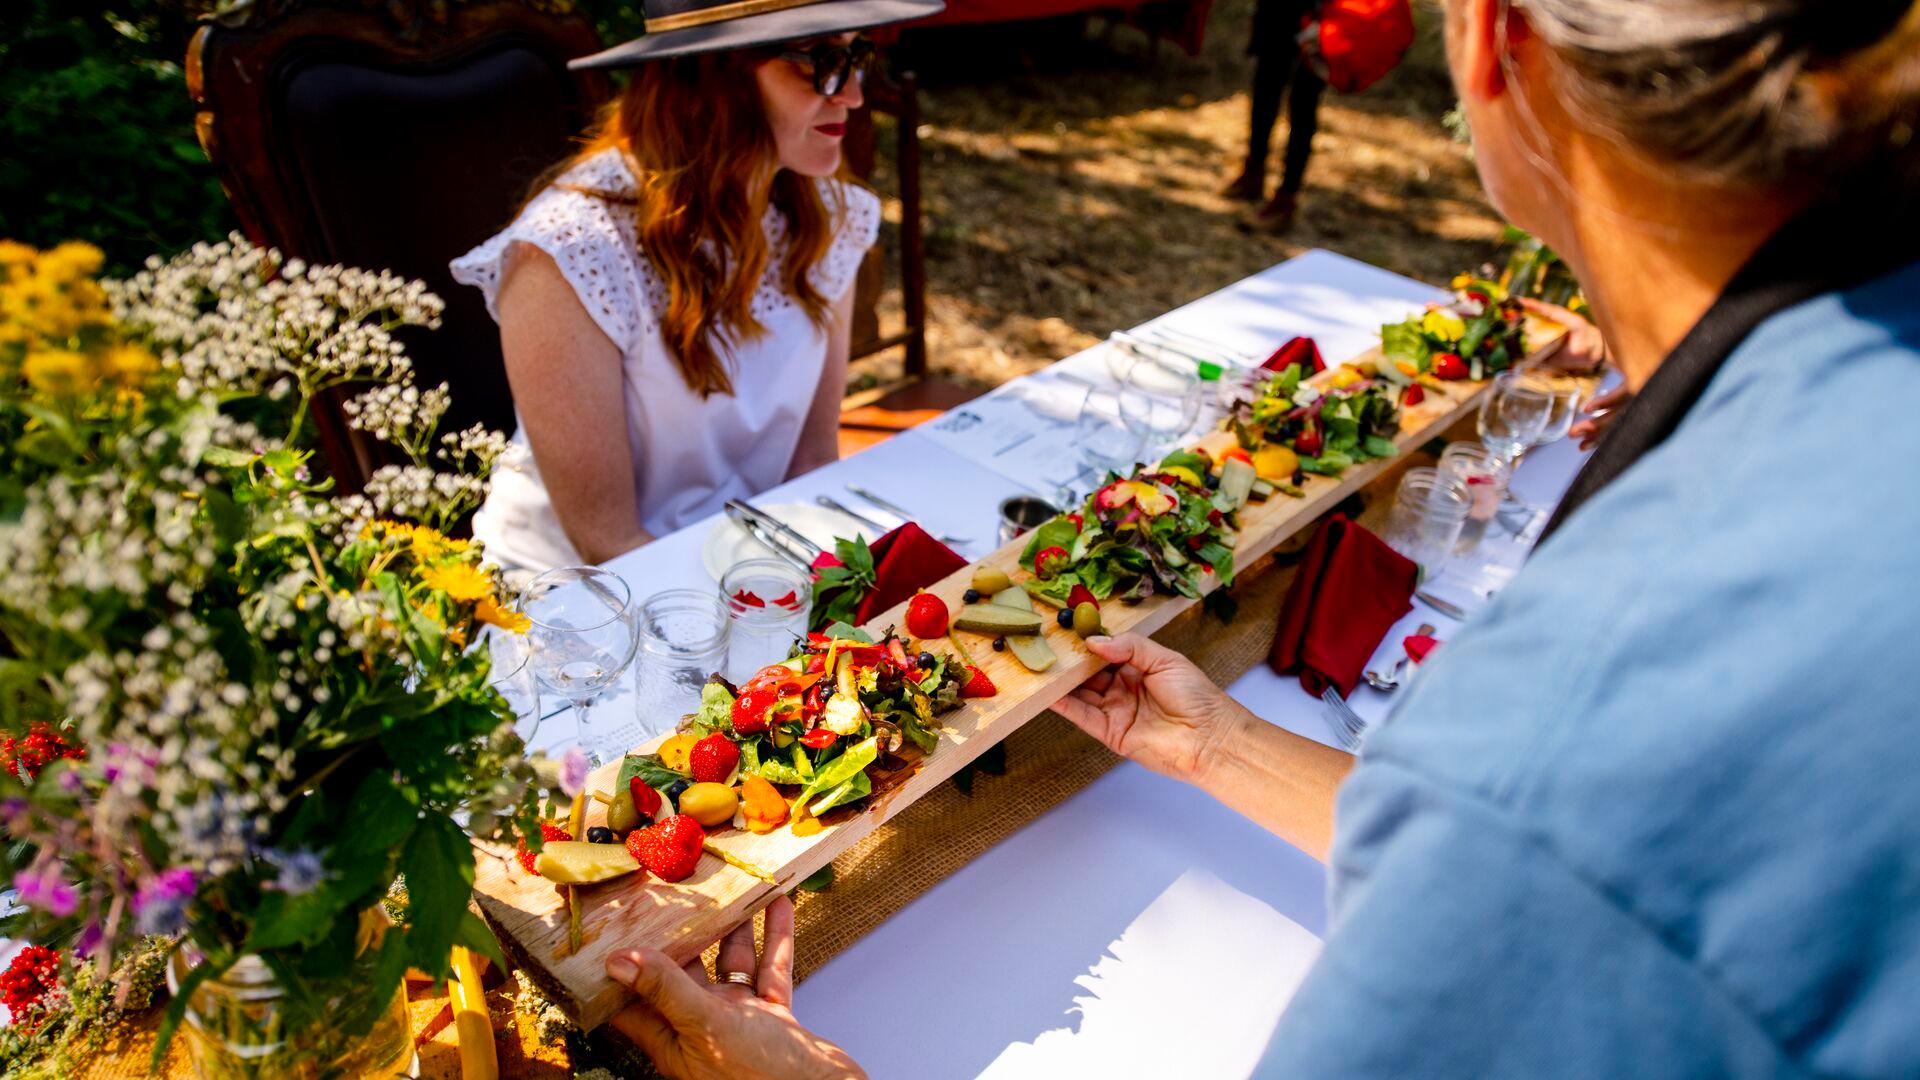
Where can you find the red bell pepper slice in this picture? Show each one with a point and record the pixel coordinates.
(818, 739)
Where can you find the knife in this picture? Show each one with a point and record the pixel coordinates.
(865, 522)
(903, 514)
(1445, 607)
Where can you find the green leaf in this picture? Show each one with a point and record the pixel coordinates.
(649, 768)
(854, 789)
(177, 1008)
(282, 921)
(818, 880)
(1404, 341)
(853, 762)
(438, 864)
(1061, 532)
(840, 631)
(475, 935)
(1377, 447)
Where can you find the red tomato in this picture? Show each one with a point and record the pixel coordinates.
(818, 739)
(926, 616)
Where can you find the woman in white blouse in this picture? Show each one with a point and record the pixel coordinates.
(674, 305)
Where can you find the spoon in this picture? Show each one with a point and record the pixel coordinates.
(1390, 681)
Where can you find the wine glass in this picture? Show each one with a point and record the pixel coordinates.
(582, 635)
(1159, 403)
(1513, 417)
(512, 676)
(1105, 441)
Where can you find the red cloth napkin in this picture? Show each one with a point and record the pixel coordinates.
(1299, 350)
(1350, 590)
(904, 561)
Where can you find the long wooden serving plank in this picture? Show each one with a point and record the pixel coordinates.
(530, 914)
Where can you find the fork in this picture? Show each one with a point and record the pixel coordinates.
(1346, 724)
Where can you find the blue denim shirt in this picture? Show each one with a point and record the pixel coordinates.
(1657, 811)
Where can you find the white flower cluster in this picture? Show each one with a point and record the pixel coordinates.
(420, 493)
(233, 316)
(395, 413)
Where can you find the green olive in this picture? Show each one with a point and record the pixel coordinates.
(621, 815)
(989, 581)
(709, 804)
(1086, 619)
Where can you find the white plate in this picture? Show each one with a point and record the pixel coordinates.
(728, 544)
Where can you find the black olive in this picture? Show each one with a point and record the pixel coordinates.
(1066, 617)
(971, 596)
(927, 660)
(599, 834)
(675, 789)
(1299, 477)
(999, 644)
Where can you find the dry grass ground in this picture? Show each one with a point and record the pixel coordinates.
(1072, 184)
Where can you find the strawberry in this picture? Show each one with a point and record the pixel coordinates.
(926, 616)
(1050, 561)
(645, 798)
(1080, 594)
(712, 759)
(750, 709)
(671, 849)
(548, 834)
(1308, 442)
(1414, 394)
(978, 685)
(1448, 365)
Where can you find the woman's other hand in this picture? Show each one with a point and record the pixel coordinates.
(1153, 706)
(696, 1029)
(1599, 415)
(1580, 351)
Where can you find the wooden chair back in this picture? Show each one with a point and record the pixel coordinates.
(395, 135)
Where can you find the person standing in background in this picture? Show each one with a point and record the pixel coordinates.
(1279, 69)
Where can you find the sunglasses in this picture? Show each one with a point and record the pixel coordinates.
(833, 66)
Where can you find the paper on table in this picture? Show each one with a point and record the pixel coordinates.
(1193, 988)
(1024, 432)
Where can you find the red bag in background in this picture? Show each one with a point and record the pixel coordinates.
(1353, 44)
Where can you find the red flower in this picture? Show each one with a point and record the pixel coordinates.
(25, 985)
(24, 758)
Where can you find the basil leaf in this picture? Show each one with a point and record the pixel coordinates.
(649, 769)
(844, 768)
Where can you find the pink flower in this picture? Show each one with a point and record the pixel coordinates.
(160, 907)
(47, 890)
(574, 767)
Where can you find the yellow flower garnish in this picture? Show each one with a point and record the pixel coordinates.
(126, 364)
(1345, 377)
(1444, 325)
(55, 371)
(462, 582)
(489, 611)
(1461, 281)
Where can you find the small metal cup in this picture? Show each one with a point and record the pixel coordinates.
(1021, 513)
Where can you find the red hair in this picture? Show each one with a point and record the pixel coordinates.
(695, 131)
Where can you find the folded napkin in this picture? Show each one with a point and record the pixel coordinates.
(1419, 645)
(1299, 350)
(1349, 591)
(904, 561)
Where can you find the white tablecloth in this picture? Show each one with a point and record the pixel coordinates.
(1139, 929)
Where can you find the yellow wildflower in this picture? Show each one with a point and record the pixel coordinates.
(1444, 325)
(15, 253)
(427, 543)
(55, 371)
(1461, 281)
(126, 364)
(490, 612)
(461, 581)
(70, 261)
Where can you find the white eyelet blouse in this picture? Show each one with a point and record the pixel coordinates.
(689, 454)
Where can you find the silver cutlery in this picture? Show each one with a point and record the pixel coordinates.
(1346, 724)
(862, 520)
(1390, 681)
(903, 514)
(774, 535)
(1445, 607)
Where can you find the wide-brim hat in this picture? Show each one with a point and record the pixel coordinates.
(684, 27)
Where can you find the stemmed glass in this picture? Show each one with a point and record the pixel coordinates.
(1513, 417)
(582, 636)
(1105, 441)
(1159, 403)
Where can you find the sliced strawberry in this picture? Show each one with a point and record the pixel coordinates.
(671, 848)
(548, 834)
(978, 685)
(645, 798)
(1080, 594)
(1413, 395)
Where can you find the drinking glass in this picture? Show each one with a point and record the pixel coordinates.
(1159, 404)
(512, 676)
(581, 633)
(1485, 478)
(767, 603)
(683, 641)
(1105, 441)
(1428, 512)
(1513, 416)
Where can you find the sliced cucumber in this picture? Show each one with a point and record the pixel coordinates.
(1236, 484)
(1014, 597)
(996, 619)
(1261, 491)
(1031, 650)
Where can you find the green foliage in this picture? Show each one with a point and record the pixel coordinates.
(96, 139)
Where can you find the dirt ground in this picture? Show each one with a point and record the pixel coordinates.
(1072, 178)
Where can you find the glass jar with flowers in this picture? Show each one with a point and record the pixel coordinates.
(237, 704)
